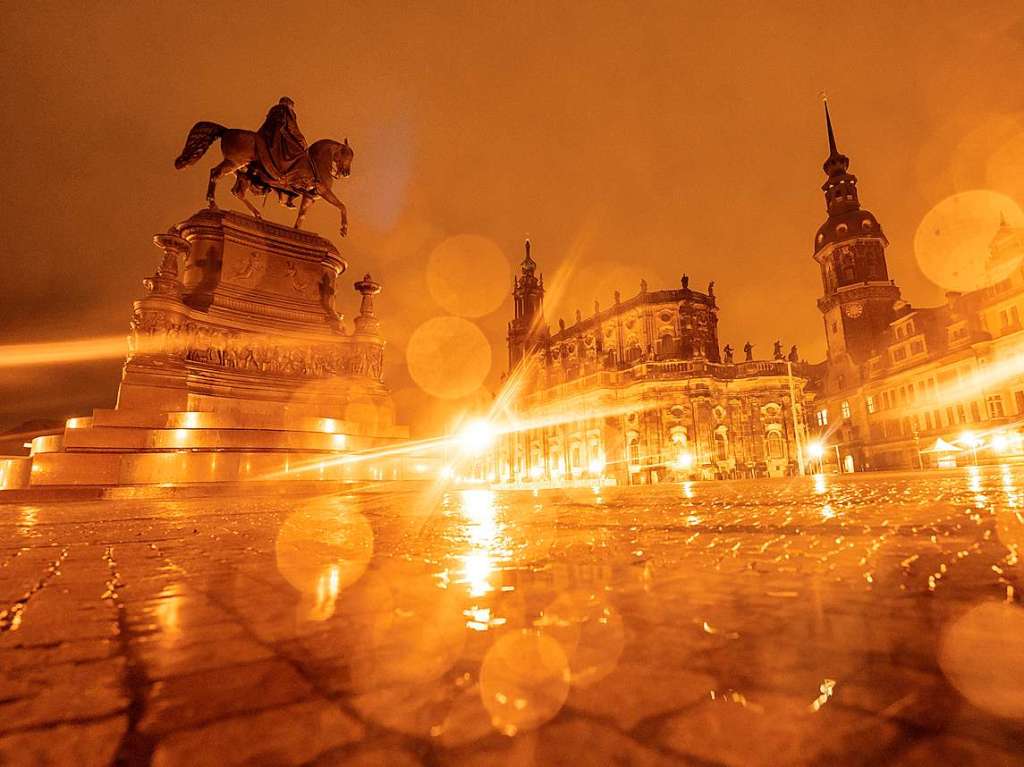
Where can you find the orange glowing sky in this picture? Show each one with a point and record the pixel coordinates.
(630, 139)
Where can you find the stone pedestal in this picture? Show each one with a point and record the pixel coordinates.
(239, 367)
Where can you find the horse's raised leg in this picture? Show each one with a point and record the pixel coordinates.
(327, 194)
(224, 167)
(303, 207)
(239, 189)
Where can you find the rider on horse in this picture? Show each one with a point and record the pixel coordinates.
(282, 151)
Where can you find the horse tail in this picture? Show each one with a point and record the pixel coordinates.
(199, 139)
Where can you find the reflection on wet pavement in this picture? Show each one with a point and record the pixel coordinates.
(864, 620)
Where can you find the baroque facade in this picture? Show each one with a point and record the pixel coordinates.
(897, 378)
(640, 392)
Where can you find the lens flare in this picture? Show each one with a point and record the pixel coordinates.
(63, 352)
(448, 357)
(322, 550)
(468, 275)
(952, 241)
(524, 681)
(982, 655)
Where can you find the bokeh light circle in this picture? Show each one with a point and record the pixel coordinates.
(468, 275)
(322, 550)
(448, 357)
(524, 681)
(590, 632)
(1005, 167)
(952, 241)
(982, 654)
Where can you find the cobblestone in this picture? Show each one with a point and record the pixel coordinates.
(861, 620)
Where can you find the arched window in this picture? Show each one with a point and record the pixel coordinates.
(773, 445)
(634, 451)
(721, 446)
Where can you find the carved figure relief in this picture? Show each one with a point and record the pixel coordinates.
(251, 270)
(300, 281)
(156, 332)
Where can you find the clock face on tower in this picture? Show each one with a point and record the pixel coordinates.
(854, 310)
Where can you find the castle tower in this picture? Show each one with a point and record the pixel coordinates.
(858, 296)
(528, 292)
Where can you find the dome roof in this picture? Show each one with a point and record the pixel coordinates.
(847, 226)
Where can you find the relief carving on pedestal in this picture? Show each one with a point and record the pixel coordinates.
(250, 270)
(300, 280)
(157, 332)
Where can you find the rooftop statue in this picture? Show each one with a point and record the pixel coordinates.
(274, 158)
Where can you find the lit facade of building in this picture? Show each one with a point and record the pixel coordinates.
(640, 392)
(898, 378)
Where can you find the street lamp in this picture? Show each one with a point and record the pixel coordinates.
(970, 439)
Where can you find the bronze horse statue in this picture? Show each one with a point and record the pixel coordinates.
(329, 160)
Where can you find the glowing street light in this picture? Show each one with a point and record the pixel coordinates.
(596, 466)
(971, 440)
(1000, 443)
(816, 450)
(477, 436)
(684, 461)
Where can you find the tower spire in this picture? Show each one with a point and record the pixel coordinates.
(831, 134)
(840, 187)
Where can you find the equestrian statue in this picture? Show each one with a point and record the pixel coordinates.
(273, 159)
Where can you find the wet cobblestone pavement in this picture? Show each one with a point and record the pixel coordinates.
(862, 620)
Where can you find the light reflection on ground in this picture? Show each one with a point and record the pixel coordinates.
(863, 619)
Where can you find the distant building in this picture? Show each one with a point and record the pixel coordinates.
(898, 378)
(640, 392)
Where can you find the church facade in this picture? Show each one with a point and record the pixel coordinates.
(640, 392)
(898, 378)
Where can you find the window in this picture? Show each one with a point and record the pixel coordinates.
(870, 402)
(899, 354)
(917, 346)
(1018, 398)
(995, 406)
(975, 411)
(721, 446)
(845, 407)
(928, 421)
(823, 417)
(634, 451)
(774, 447)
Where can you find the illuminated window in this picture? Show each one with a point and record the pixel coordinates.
(634, 451)
(995, 406)
(774, 447)
(870, 402)
(823, 417)
(845, 407)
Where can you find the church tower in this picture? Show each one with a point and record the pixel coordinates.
(525, 328)
(858, 297)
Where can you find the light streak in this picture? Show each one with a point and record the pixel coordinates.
(64, 352)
